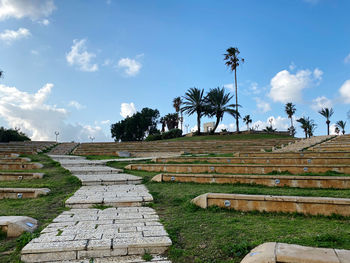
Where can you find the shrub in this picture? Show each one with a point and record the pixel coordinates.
(153, 137)
(174, 133)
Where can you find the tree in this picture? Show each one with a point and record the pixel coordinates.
(177, 102)
(308, 125)
(341, 125)
(232, 62)
(327, 113)
(1, 73)
(8, 135)
(171, 121)
(136, 127)
(217, 104)
(194, 102)
(247, 120)
(163, 122)
(290, 110)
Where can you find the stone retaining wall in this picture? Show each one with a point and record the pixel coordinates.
(19, 176)
(18, 193)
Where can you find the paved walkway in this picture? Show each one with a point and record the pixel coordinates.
(121, 233)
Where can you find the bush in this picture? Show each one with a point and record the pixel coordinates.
(153, 137)
(174, 133)
(7, 135)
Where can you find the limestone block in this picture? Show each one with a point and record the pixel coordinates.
(264, 253)
(49, 257)
(14, 226)
(123, 154)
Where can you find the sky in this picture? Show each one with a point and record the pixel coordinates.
(77, 67)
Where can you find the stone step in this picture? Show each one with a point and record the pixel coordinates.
(238, 168)
(9, 155)
(305, 154)
(259, 160)
(108, 179)
(14, 226)
(10, 176)
(19, 193)
(273, 252)
(14, 159)
(110, 195)
(66, 157)
(81, 234)
(124, 259)
(93, 170)
(20, 166)
(268, 203)
(338, 182)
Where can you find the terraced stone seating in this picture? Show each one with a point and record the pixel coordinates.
(14, 159)
(304, 154)
(239, 168)
(210, 146)
(14, 226)
(111, 195)
(287, 204)
(11, 176)
(340, 143)
(63, 148)
(8, 155)
(19, 166)
(337, 182)
(28, 147)
(19, 193)
(273, 252)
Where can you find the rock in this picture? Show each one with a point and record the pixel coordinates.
(14, 226)
(123, 154)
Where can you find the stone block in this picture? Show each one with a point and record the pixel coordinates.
(14, 226)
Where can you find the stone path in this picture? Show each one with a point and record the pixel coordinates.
(64, 148)
(122, 233)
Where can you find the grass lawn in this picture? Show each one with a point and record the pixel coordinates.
(240, 136)
(44, 208)
(217, 235)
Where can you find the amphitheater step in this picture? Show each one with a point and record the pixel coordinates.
(93, 233)
(338, 182)
(267, 203)
(110, 195)
(94, 170)
(63, 148)
(19, 193)
(11, 176)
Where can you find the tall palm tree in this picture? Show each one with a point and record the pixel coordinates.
(308, 125)
(290, 110)
(327, 113)
(194, 102)
(232, 62)
(341, 125)
(163, 122)
(177, 102)
(247, 120)
(217, 104)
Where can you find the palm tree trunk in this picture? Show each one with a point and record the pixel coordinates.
(216, 124)
(237, 124)
(198, 124)
(291, 121)
(327, 126)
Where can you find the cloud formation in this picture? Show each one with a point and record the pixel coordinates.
(38, 120)
(127, 109)
(287, 87)
(321, 102)
(131, 66)
(77, 105)
(262, 105)
(79, 56)
(345, 91)
(33, 9)
(8, 36)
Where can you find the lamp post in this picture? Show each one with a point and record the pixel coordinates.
(92, 138)
(56, 133)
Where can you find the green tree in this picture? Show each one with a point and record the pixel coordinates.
(290, 110)
(136, 127)
(8, 135)
(327, 113)
(177, 102)
(217, 104)
(247, 120)
(308, 125)
(341, 125)
(232, 62)
(194, 102)
(171, 121)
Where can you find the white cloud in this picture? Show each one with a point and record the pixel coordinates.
(292, 66)
(34, 9)
(127, 109)
(76, 105)
(229, 86)
(44, 22)
(11, 35)
(345, 91)
(32, 115)
(287, 87)
(107, 62)
(262, 105)
(279, 123)
(321, 102)
(332, 129)
(79, 57)
(105, 122)
(131, 66)
(347, 59)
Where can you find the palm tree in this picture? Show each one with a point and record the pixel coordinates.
(217, 104)
(194, 103)
(308, 125)
(232, 62)
(327, 113)
(177, 102)
(341, 125)
(290, 110)
(163, 122)
(247, 120)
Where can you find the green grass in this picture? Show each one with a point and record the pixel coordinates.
(231, 137)
(44, 208)
(218, 235)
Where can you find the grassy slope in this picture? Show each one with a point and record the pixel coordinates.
(218, 235)
(44, 208)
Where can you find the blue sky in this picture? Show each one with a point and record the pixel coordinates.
(70, 65)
